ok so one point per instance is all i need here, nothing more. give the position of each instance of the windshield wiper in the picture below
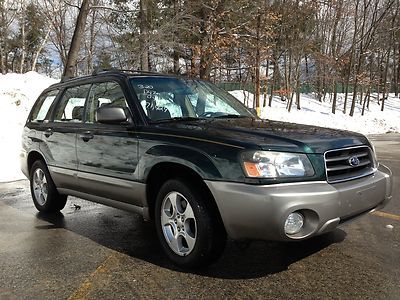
(230, 116)
(177, 119)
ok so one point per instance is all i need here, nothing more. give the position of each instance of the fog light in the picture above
(294, 223)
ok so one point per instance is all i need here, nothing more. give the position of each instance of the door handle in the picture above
(48, 132)
(86, 136)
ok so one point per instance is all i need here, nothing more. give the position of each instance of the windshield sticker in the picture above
(146, 86)
(150, 94)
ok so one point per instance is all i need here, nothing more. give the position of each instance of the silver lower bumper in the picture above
(259, 212)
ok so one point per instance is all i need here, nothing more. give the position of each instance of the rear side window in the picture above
(42, 106)
(71, 106)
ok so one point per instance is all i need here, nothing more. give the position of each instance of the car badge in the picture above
(354, 161)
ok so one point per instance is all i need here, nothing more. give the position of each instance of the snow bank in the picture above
(313, 112)
(18, 92)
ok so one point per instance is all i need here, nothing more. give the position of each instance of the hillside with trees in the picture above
(270, 48)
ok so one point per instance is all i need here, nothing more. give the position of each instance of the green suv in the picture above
(189, 156)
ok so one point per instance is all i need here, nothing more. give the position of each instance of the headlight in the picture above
(268, 164)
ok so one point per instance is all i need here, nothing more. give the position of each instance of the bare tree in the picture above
(8, 14)
(72, 58)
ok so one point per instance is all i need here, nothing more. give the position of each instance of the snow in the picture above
(18, 92)
(317, 113)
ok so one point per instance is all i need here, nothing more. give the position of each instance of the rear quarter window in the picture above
(42, 106)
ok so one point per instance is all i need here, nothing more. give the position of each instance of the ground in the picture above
(97, 252)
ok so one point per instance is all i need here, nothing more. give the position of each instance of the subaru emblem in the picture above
(354, 161)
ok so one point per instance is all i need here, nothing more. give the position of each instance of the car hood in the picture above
(266, 134)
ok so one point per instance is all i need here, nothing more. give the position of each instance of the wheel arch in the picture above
(164, 171)
(32, 157)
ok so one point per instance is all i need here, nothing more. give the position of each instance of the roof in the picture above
(106, 72)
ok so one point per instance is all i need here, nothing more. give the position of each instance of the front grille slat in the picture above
(349, 163)
(339, 168)
(346, 157)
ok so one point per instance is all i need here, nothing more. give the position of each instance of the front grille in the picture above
(349, 163)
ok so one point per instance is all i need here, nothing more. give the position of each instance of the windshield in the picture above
(166, 98)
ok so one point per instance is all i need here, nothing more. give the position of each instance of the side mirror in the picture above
(111, 115)
(253, 111)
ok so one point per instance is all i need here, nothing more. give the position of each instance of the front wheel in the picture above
(189, 230)
(43, 190)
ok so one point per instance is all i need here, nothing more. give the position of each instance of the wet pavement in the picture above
(90, 251)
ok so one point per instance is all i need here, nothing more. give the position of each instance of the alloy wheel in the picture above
(178, 223)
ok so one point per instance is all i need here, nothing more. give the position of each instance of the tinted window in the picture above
(104, 94)
(42, 106)
(71, 106)
(166, 98)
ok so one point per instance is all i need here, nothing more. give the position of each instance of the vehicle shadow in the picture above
(262, 258)
(130, 235)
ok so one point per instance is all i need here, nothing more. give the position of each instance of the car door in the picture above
(32, 137)
(59, 136)
(108, 154)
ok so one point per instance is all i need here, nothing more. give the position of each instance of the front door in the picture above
(107, 154)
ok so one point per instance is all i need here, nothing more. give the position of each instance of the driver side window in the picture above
(104, 94)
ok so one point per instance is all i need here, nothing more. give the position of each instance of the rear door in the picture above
(59, 136)
(32, 136)
(107, 154)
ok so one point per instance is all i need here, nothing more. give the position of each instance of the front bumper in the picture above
(259, 212)
(23, 157)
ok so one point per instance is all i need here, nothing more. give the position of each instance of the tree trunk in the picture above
(358, 66)
(385, 92)
(2, 41)
(396, 71)
(23, 40)
(298, 84)
(39, 50)
(274, 80)
(205, 67)
(176, 62)
(70, 67)
(266, 85)
(89, 63)
(334, 101)
(353, 45)
(397, 80)
(144, 35)
(192, 63)
(367, 95)
(2, 59)
(257, 67)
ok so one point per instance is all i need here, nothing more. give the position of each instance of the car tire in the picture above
(188, 227)
(43, 190)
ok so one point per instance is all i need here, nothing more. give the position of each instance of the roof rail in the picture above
(101, 70)
(65, 78)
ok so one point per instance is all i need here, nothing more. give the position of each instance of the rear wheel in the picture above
(189, 230)
(44, 192)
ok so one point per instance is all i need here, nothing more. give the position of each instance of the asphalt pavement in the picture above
(90, 251)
